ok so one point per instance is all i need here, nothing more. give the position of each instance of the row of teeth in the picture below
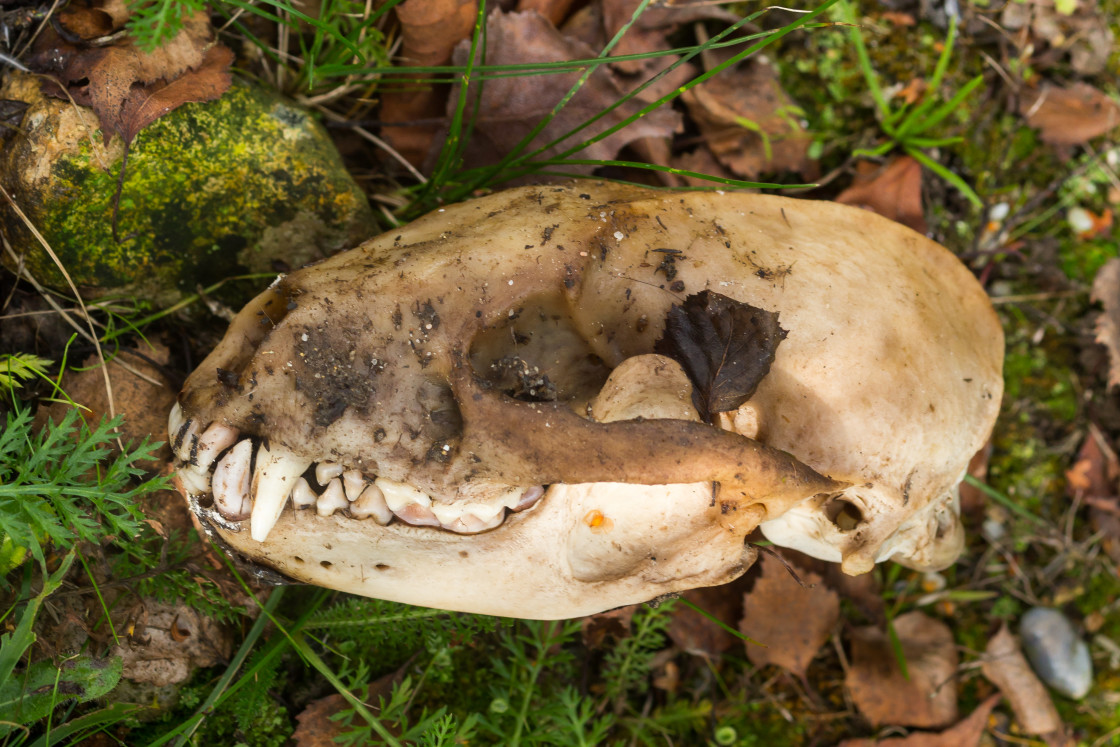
(258, 489)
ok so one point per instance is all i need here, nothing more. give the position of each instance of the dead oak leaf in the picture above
(1069, 116)
(749, 122)
(791, 621)
(893, 190)
(880, 690)
(965, 733)
(508, 109)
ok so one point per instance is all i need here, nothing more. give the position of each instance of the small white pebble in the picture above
(303, 337)
(999, 211)
(619, 236)
(511, 282)
(1080, 220)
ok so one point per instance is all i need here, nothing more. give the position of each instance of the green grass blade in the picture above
(948, 176)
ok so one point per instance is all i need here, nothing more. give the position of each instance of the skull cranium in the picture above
(471, 405)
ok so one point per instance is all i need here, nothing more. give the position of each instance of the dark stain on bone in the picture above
(331, 375)
(228, 379)
(426, 314)
(382, 567)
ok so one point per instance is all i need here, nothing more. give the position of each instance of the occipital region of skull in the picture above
(472, 406)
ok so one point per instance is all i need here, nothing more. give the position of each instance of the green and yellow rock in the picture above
(247, 183)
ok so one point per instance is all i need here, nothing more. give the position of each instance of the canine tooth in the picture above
(273, 480)
(327, 471)
(303, 495)
(354, 482)
(529, 498)
(400, 494)
(215, 439)
(417, 515)
(371, 503)
(231, 482)
(333, 499)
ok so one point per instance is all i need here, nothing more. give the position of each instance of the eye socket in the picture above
(844, 514)
(537, 354)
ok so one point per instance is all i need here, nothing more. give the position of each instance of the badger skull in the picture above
(472, 407)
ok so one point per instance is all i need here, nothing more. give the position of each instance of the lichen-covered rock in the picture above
(247, 183)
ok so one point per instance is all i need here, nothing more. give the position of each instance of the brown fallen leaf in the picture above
(928, 699)
(966, 733)
(554, 10)
(791, 621)
(749, 122)
(695, 633)
(509, 108)
(106, 77)
(146, 104)
(1069, 116)
(893, 190)
(1092, 479)
(316, 727)
(1006, 667)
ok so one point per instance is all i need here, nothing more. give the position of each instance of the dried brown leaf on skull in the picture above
(1072, 115)
(1006, 667)
(106, 78)
(509, 108)
(965, 733)
(725, 346)
(893, 190)
(749, 122)
(790, 618)
(884, 694)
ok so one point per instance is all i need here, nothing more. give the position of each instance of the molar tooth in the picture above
(327, 471)
(303, 495)
(333, 499)
(400, 494)
(529, 498)
(354, 482)
(468, 523)
(273, 480)
(215, 439)
(231, 482)
(417, 515)
(371, 503)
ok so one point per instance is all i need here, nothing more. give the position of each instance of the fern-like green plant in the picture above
(17, 368)
(58, 485)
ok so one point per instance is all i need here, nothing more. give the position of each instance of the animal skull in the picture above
(471, 404)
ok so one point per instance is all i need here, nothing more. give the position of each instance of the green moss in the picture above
(248, 183)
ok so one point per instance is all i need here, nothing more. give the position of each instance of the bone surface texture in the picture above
(474, 398)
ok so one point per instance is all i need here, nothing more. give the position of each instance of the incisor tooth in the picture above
(175, 421)
(371, 503)
(187, 444)
(302, 494)
(273, 480)
(333, 499)
(215, 439)
(231, 482)
(327, 471)
(195, 482)
(354, 482)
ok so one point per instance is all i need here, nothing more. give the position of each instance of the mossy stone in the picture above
(247, 183)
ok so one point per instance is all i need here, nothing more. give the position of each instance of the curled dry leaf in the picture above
(509, 108)
(884, 695)
(1073, 115)
(965, 733)
(791, 619)
(1006, 667)
(893, 190)
(749, 122)
(1093, 478)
